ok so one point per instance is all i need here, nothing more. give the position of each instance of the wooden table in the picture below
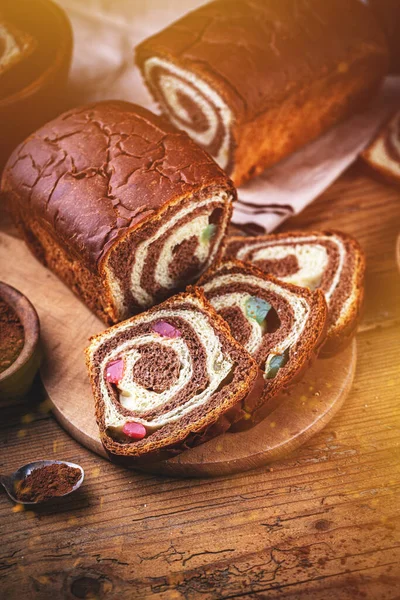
(322, 524)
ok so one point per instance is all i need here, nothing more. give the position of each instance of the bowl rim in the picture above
(63, 49)
(30, 321)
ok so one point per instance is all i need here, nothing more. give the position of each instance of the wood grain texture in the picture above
(323, 523)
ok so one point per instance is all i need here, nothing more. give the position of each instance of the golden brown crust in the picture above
(212, 423)
(302, 118)
(88, 286)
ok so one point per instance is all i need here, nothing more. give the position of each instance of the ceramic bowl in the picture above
(16, 381)
(36, 92)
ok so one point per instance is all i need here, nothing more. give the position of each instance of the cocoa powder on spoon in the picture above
(47, 482)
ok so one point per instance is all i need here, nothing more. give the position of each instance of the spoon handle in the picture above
(5, 481)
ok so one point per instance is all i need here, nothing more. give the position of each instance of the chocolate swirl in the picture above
(233, 288)
(169, 253)
(384, 152)
(192, 105)
(151, 396)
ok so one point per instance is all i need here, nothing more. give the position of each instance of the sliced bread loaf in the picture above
(168, 379)
(383, 154)
(279, 324)
(329, 260)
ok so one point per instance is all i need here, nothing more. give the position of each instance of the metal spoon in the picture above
(9, 482)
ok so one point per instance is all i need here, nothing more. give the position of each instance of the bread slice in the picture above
(183, 380)
(279, 324)
(15, 46)
(383, 154)
(330, 260)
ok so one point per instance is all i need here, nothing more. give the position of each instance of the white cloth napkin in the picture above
(106, 32)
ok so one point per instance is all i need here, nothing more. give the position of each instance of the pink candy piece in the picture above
(136, 431)
(166, 330)
(115, 371)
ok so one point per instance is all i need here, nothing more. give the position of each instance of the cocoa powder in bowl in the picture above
(47, 482)
(12, 336)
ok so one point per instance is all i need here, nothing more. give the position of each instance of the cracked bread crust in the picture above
(286, 71)
(240, 399)
(87, 180)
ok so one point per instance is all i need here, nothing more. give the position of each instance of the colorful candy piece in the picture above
(257, 309)
(208, 232)
(276, 363)
(166, 330)
(135, 431)
(115, 371)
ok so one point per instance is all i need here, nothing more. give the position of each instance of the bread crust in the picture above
(215, 422)
(283, 88)
(75, 192)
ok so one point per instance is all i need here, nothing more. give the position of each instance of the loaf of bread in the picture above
(329, 260)
(253, 80)
(168, 379)
(383, 154)
(281, 325)
(121, 205)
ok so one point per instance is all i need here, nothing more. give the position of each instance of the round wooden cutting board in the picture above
(66, 325)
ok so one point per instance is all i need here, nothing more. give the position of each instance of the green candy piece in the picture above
(257, 309)
(276, 363)
(208, 232)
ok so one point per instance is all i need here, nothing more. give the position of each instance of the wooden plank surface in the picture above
(323, 523)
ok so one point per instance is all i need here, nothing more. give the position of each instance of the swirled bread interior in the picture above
(330, 261)
(181, 387)
(384, 152)
(280, 324)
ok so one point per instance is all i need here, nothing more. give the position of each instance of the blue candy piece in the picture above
(257, 309)
(276, 363)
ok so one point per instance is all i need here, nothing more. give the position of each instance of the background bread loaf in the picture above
(253, 80)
